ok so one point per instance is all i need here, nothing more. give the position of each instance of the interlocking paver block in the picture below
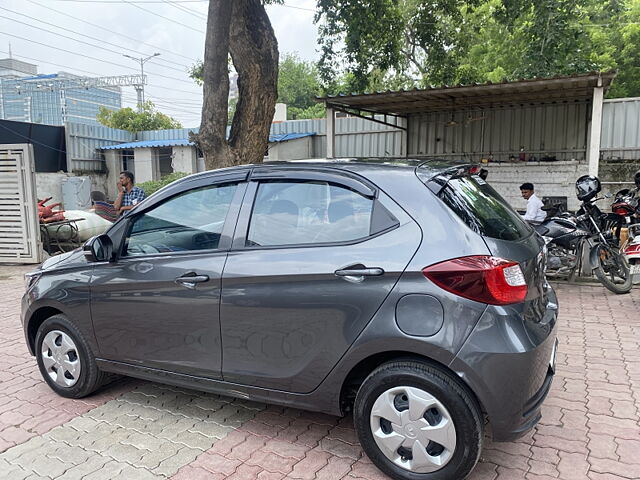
(172, 464)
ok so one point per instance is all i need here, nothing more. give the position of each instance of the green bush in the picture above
(153, 186)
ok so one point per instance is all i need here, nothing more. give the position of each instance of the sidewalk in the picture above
(137, 430)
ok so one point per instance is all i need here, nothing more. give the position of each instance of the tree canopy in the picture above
(377, 44)
(148, 118)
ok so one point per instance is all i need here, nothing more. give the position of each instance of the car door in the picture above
(314, 257)
(157, 305)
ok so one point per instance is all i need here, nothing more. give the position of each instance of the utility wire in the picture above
(94, 73)
(111, 31)
(133, 1)
(151, 2)
(162, 16)
(128, 67)
(182, 70)
(186, 10)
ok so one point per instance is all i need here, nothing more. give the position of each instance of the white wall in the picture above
(50, 184)
(143, 165)
(185, 159)
(550, 179)
(298, 149)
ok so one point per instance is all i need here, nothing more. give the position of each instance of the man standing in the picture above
(534, 214)
(128, 194)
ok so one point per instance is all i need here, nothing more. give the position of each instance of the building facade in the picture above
(26, 96)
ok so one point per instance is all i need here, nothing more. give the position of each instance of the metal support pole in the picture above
(595, 130)
(140, 88)
(331, 132)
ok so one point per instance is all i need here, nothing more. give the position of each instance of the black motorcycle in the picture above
(586, 242)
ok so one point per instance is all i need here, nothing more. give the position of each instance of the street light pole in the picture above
(140, 88)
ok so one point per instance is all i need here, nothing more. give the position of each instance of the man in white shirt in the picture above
(534, 214)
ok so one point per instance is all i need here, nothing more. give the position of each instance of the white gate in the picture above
(19, 227)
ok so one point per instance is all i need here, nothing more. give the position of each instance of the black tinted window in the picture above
(483, 209)
(192, 220)
(293, 213)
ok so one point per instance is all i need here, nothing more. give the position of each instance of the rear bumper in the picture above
(509, 363)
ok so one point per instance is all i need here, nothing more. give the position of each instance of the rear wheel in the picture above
(415, 422)
(612, 269)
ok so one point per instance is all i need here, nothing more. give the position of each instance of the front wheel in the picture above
(415, 422)
(65, 359)
(612, 269)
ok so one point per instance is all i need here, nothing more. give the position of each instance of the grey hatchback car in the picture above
(407, 294)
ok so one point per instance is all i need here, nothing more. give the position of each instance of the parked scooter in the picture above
(586, 242)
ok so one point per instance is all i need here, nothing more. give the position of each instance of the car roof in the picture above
(430, 167)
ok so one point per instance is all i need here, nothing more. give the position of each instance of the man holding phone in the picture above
(128, 194)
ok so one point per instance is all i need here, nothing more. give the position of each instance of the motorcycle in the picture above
(627, 206)
(586, 242)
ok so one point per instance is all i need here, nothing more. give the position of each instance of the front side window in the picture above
(192, 220)
(295, 213)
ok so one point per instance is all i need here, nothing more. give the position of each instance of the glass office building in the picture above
(44, 101)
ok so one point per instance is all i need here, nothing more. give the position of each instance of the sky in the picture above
(90, 37)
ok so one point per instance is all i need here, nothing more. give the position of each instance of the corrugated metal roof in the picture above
(285, 137)
(181, 142)
(148, 143)
(530, 91)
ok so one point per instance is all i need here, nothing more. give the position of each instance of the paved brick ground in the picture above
(138, 430)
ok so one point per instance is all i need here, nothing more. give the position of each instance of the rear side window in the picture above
(312, 212)
(483, 209)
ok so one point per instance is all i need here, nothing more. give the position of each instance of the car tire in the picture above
(65, 359)
(425, 404)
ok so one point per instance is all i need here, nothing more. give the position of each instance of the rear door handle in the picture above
(190, 279)
(360, 272)
(357, 275)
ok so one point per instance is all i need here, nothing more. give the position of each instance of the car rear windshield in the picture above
(483, 209)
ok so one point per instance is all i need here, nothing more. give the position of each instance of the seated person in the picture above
(534, 213)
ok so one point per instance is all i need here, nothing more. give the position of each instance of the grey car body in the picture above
(277, 324)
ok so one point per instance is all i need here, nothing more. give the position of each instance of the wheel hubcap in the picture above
(413, 429)
(60, 358)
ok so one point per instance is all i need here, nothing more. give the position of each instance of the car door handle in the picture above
(360, 272)
(189, 280)
(357, 275)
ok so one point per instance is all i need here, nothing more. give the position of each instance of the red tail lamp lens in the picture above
(481, 278)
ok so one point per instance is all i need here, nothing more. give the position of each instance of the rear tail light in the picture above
(621, 210)
(632, 249)
(481, 278)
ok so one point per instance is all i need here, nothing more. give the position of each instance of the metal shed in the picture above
(557, 118)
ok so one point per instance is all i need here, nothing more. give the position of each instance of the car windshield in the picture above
(483, 209)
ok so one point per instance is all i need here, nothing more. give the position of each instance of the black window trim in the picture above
(242, 229)
(342, 178)
(226, 237)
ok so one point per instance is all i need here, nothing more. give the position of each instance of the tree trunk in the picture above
(213, 127)
(254, 52)
(241, 28)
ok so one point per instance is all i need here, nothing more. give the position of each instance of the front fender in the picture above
(594, 257)
(65, 291)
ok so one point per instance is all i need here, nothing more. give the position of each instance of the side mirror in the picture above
(608, 195)
(98, 249)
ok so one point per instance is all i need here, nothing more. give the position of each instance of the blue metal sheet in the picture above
(148, 143)
(282, 137)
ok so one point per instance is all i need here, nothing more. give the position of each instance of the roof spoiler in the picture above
(436, 181)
